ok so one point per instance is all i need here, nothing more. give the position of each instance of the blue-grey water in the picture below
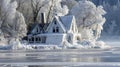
(61, 58)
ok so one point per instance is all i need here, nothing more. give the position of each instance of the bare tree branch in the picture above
(36, 7)
(50, 10)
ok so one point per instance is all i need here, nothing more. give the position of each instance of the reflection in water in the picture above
(60, 56)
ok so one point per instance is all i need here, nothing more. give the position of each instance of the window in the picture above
(32, 39)
(55, 22)
(43, 39)
(37, 30)
(78, 38)
(36, 39)
(69, 39)
(39, 39)
(55, 29)
(29, 39)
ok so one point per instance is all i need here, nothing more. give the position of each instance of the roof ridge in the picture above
(61, 20)
(66, 19)
(61, 23)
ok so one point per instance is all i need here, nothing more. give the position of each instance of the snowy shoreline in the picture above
(50, 47)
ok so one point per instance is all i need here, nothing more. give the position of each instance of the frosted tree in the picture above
(69, 3)
(112, 15)
(32, 9)
(56, 9)
(112, 26)
(50, 7)
(36, 6)
(13, 24)
(89, 18)
(59, 9)
(20, 3)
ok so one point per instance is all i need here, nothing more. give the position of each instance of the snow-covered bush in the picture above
(69, 3)
(32, 9)
(17, 45)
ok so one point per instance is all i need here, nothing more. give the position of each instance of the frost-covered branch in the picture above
(90, 17)
(12, 20)
(36, 6)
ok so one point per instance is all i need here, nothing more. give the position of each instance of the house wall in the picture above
(69, 38)
(73, 37)
(37, 39)
(54, 25)
(55, 39)
(76, 37)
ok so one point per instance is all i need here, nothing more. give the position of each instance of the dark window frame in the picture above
(55, 22)
(57, 29)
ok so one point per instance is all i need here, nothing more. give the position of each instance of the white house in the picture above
(62, 29)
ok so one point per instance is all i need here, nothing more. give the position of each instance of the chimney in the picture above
(43, 19)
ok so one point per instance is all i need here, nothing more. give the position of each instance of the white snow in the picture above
(13, 23)
(89, 18)
(67, 21)
(16, 45)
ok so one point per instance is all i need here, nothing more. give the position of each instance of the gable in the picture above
(56, 26)
(66, 21)
(38, 28)
(69, 23)
(74, 27)
(35, 30)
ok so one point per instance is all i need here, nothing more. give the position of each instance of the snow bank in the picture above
(15, 44)
(102, 44)
(87, 44)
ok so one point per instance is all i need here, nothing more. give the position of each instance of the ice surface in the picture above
(61, 58)
(83, 57)
(113, 41)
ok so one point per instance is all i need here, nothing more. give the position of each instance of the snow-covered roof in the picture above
(64, 21)
(67, 21)
(41, 26)
(59, 21)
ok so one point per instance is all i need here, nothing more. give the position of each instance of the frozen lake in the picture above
(61, 58)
